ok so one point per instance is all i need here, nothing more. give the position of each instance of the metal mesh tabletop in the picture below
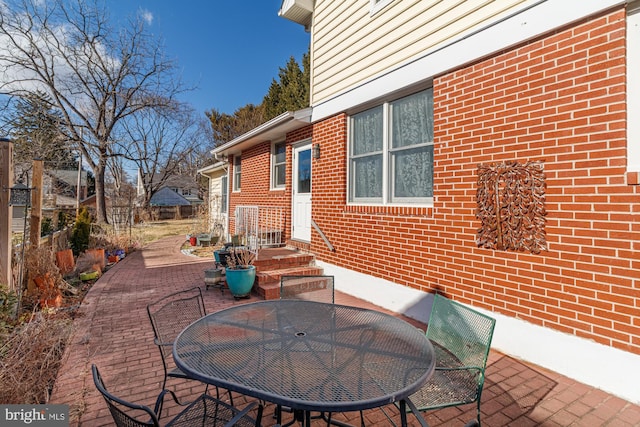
(307, 355)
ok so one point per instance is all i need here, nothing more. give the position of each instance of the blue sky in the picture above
(230, 49)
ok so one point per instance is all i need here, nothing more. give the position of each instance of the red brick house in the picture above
(413, 105)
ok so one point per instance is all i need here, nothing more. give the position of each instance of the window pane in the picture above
(280, 175)
(367, 177)
(412, 120)
(413, 172)
(237, 172)
(279, 162)
(304, 171)
(367, 128)
(223, 198)
(280, 152)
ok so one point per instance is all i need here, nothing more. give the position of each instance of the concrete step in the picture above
(268, 282)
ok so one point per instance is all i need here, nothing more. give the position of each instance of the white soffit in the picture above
(299, 11)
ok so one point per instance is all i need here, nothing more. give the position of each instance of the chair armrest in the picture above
(416, 413)
(241, 414)
(459, 368)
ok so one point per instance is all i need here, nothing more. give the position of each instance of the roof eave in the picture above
(298, 11)
(211, 168)
(275, 128)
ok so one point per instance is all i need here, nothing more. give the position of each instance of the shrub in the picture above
(46, 227)
(30, 358)
(8, 307)
(63, 220)
(81, 232)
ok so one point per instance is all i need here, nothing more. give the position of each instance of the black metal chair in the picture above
(169, 316)
(313, 288)
(205, 411)
(461, 338)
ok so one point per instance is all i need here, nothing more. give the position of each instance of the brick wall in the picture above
(559, 99)
(255, 184)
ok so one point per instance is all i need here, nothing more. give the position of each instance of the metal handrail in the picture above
(324, 237)
(261, 226)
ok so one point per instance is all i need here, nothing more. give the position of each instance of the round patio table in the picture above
(308, 356)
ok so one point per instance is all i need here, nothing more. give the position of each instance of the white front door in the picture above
(301, 217)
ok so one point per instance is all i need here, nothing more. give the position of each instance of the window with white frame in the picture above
(278, 165)
(391, 152)
(224, 188)
(237, 172)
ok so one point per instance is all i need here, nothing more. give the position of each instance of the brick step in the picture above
(278, 262)
(268, 282)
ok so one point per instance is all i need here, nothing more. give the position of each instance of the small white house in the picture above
(217, 174)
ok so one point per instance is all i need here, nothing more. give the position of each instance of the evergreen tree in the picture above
(36, 130)
(291, 91)
(226, 127)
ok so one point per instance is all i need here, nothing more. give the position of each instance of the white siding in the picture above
(351, 46)
(401, 60)
(216, 215)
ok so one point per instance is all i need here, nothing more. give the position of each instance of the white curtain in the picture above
(412, 146)
(367, 153)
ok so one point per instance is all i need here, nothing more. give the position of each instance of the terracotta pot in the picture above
(51, 297)
(98, 257)
(65, 261)
(44, 282)
(51, 302)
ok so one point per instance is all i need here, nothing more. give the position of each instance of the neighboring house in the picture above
(19, 213)
(90, 203)
(168, 197)
(62, 182)
(416, 107)
(183, 186)
(218, 185)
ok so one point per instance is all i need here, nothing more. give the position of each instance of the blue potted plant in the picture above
(240, 272)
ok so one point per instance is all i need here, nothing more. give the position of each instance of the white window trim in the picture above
(272, 167)
(224, 191)
(377, 5)
(237, 159)
(386, 166)
(633, 87)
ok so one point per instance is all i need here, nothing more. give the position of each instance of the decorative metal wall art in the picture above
(511, 206)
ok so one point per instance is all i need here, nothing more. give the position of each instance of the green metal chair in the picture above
(461, 338)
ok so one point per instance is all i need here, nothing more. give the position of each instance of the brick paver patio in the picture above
(112, 330)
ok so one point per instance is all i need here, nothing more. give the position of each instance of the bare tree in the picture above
(160, 142)
(95, 76)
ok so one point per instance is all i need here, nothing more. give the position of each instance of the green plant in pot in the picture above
(240, 272)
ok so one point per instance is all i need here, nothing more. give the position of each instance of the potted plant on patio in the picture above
(240, 272)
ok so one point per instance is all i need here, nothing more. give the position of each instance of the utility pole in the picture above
(6, 211)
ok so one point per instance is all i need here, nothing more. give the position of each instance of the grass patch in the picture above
(156, 230)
